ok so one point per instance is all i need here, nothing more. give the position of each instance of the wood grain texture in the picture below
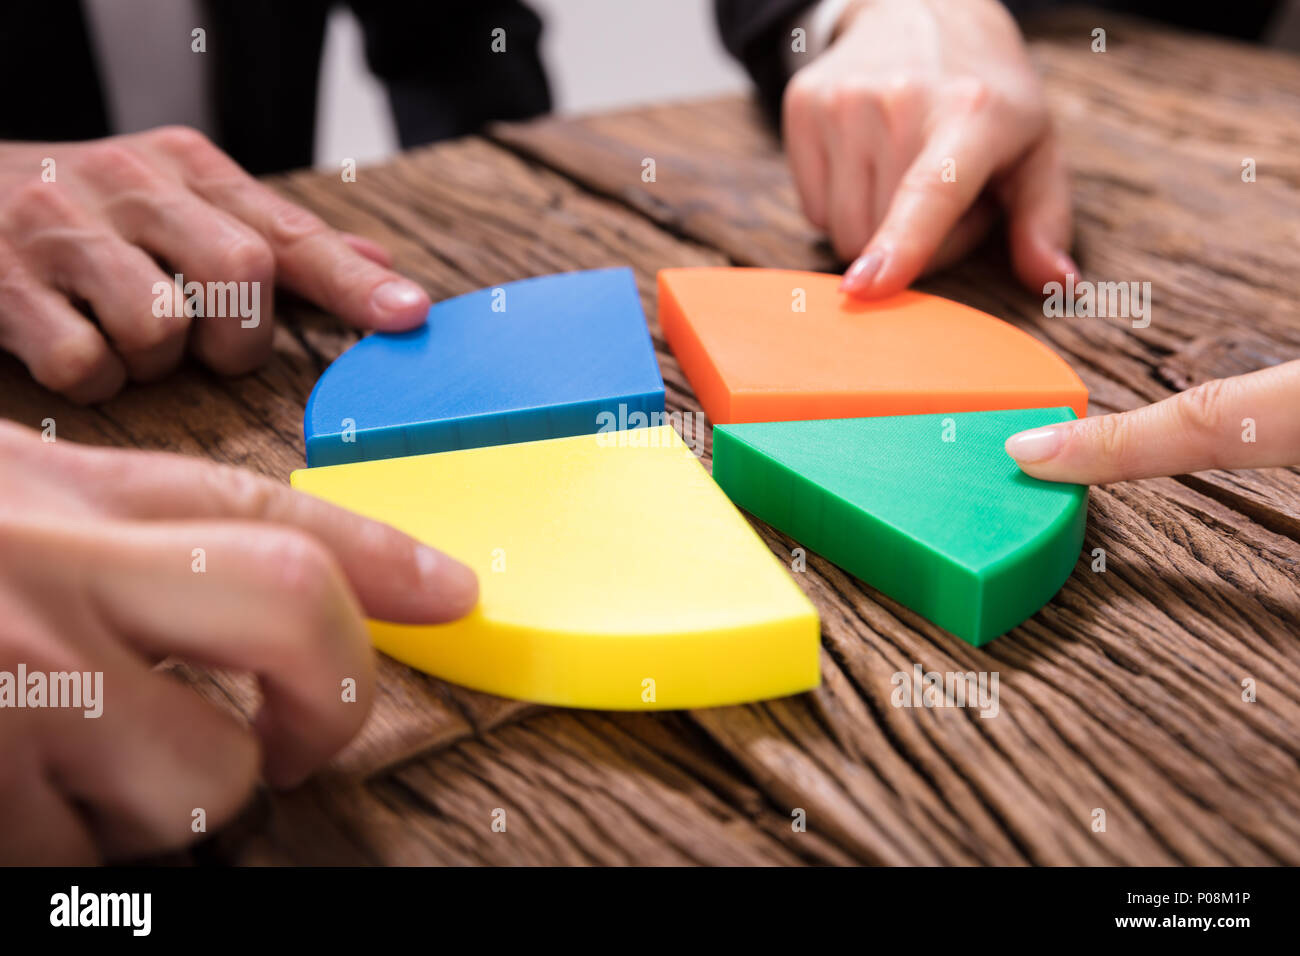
(1124, 694)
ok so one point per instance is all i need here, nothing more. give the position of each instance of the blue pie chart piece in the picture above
(548, 357)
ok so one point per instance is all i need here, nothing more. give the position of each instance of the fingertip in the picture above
(1038, 261)
(450, 587)
(396, 306)
(862, 273)
(1036, 445)
(1058, 453)
(876, 274)
(1065, 265)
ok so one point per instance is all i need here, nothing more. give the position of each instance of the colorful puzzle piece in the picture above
(613, 573)
(928, 509)
(540, 358)
(773, 345)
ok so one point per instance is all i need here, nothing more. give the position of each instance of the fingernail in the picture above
(446, 576)
(1035, 445)
(860, 274)
(1067, 266)
(398, 295)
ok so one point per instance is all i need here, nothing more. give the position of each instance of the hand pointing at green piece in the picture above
(1249, 421)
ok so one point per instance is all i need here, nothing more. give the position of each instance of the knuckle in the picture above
(970, 94)
(1202, 409)
(900, 91)
(240, 492)
(180, 139)
(847, 103)
(290, 223)
(306, 576)
(148, 203)
(36, 204)
(114, 163)
(248, 259)
(15, 283)
(1110, 436)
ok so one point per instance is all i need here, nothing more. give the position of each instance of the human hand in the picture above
(1249, 421)
(112, 560)
(909, 132)
(116, 207)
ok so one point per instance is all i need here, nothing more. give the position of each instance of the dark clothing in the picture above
(49, 74)
(434, 56)
(757, 33)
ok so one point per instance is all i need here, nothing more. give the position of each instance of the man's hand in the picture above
(1250, 421)
(905, 137)
(113, 560)
(90, 243)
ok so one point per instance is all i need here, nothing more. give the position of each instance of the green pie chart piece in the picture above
(928, 509)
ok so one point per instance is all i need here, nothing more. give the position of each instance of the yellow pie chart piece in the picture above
(613, 573)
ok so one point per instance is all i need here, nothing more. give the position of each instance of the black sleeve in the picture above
(754, 32)
(49, 74)
(265, 64)
(443, 77)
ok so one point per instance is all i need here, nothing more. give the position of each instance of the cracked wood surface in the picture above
(1123, 694)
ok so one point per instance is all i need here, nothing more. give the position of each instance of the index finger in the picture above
(1244, 422)
(395, 577)
(312, 259)
(936, 191)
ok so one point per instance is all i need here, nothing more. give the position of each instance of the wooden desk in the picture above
(1124, 694)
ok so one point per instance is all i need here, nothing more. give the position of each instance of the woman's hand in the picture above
(1250, 421)
(906, 137)
(85, 226)
(113, 560)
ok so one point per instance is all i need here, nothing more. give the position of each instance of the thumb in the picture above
(1249, 421)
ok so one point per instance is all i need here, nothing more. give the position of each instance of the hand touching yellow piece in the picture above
(111, 561)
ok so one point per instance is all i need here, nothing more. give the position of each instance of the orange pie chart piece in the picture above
(761, 345)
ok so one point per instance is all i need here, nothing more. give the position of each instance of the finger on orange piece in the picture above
(932, 196)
